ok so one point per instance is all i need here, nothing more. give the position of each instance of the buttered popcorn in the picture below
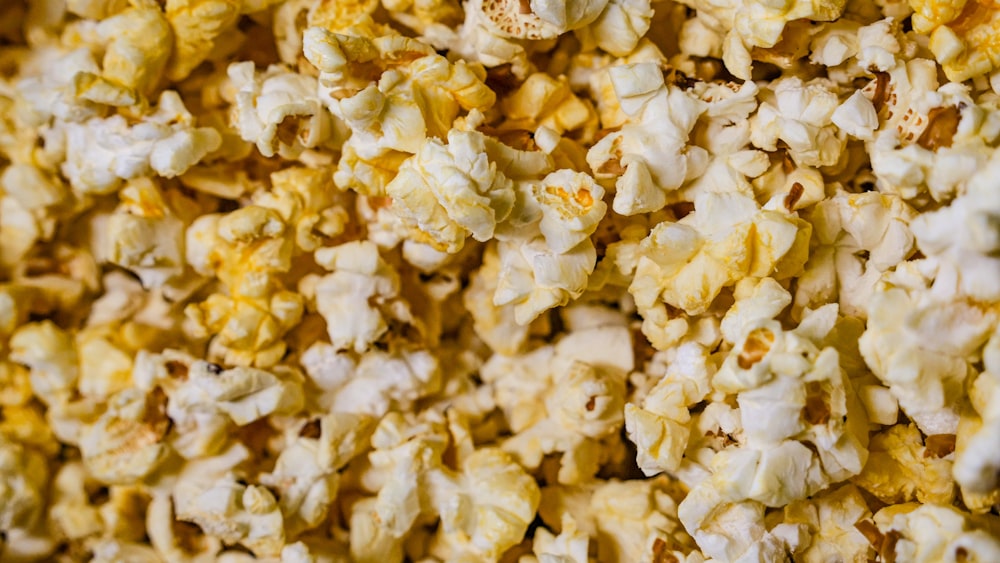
(536, 281)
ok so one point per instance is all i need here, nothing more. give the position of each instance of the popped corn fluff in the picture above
(519, 281)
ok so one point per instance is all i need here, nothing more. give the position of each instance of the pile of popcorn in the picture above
(534, 281)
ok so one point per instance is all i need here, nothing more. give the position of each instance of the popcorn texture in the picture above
(545, 281)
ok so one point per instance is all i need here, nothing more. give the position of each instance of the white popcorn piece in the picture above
(534, 278)
(101, 152)
(661, 426)
(859, 236)
(962, 238)
(486, 507)
(751, 24)
(569, 546)
(571, 205)
(146, 235)
(650, 155)
(50, 354)
(629, 519)
(538, 20)
(975, 462)
(620, 27)
(800, 116)
(278, 110)
(933, 139)
(305, 485)
(832, 523)
(920, 349)
(415, 94)
(349, 298)
(496, 326)
(233, 512)
(856, 116)
(790, 393)
(934, 532)
(385, 381)
(244, 394)
(564, 398)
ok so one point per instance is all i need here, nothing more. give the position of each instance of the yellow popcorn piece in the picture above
(139, 43)
(126, 443)
(449, 192)
(196, 24)
(903, 467)
(686, 264)
(963, 35)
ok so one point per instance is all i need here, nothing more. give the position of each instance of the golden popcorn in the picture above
(546, 281)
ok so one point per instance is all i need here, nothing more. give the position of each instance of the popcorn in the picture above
(569, 546)
(303, 198)
(661, 426)
(544, 101)
(787, 376)
(966, 247)
(962, 36)
(448, 192)
(834, 524)
(278, 110)
(360, 278)
(858, 238)
(497, 326)
(750, 24)
(648, 160)
(933, 532)
(974, 468)
(246, 250)
(138, 43)
(101, 152)
(479, 515)
(235, 513)
(324, 281)
(415, 94)
(928, 145)
(243, 394)
(585, 402)
(905, 347)
(23, 476)
(801, 116)
(49, 353)
(146, 235)
(540, 20)
(903, 467)
(686, 264)
(620, 26)
(534, 278)
(196, 25)
(126, 443)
